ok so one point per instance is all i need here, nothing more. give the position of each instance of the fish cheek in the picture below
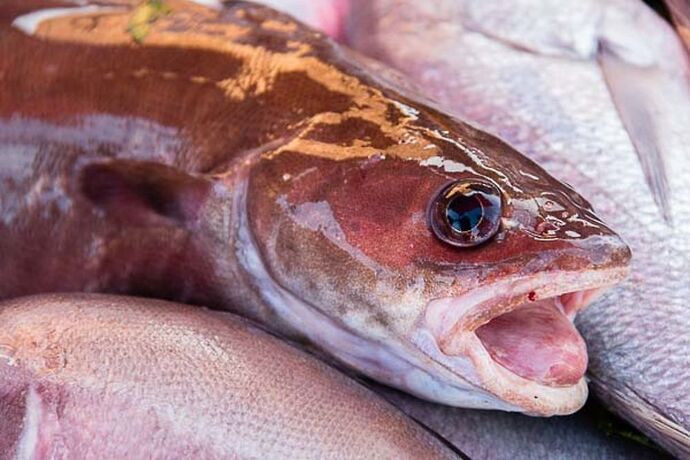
(357, 219)
(316, 268)
(302, 241)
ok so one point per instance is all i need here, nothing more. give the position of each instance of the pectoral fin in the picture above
(144, 192)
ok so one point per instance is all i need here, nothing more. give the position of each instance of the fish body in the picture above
(596, 92)
(180, 381)
(231, 157)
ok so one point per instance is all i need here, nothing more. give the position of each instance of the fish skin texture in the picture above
(96, 376)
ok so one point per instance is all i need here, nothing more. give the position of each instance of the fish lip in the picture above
(453, 321)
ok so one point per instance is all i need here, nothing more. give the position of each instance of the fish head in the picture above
(448, 263)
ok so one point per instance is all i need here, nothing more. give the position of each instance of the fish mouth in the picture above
(516, 339)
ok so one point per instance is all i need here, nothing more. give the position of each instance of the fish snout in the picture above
(513, 335)
(606, 254)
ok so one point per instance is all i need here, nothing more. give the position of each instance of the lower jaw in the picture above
(532, 357)
(485, 384)
(533, 397)
(535, 355)
(524, 349)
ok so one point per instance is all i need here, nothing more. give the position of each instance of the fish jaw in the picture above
(492, 337)
(440, 357)
(445, 359)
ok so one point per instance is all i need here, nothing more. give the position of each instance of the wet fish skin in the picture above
(97, 376)
(233, 158)
(597, 92)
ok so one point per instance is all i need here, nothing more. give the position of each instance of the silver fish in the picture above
(95, 376)
(597, 92)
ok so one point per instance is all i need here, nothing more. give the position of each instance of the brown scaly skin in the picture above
(156, 168)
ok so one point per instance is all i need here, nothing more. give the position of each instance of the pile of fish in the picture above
(226, 156)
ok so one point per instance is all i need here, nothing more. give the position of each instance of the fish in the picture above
(597, 93)
(103, 376)
(231, 157)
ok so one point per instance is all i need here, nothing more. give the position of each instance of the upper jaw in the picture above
(453, 323)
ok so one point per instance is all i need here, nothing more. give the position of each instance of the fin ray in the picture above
(631, 89)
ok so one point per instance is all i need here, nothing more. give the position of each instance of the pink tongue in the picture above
(537, 342)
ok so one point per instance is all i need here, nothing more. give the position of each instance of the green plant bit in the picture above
(146, 14)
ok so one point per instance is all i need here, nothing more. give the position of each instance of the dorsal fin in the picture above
(629, 85)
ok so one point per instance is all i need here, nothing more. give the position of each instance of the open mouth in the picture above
(538, 341)
(519, 338)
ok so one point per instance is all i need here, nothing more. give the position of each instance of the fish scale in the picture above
(141, 378)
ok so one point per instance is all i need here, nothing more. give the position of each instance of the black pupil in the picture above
(464, 212)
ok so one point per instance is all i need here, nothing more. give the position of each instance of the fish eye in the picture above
(466, 213)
